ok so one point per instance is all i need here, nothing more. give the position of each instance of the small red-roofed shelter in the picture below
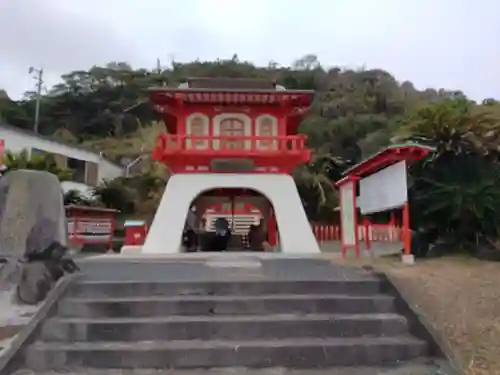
(383, 174)
(89, 225)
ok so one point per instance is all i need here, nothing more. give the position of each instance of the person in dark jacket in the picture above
(257, 237)
(221, 236)
(189, 240)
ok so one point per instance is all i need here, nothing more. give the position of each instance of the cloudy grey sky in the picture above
(451, 44)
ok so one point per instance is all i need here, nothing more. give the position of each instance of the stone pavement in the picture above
(204, 268)
(378, 248)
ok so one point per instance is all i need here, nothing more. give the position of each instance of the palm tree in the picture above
(453, 125)
(315, 184)
(457, 188)
(75, 197)
(113, 194)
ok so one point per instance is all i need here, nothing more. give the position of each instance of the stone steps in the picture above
(409, 368)
(230, 305)
(239, 323)
(296, 353)
(223, 327)
(97, 289)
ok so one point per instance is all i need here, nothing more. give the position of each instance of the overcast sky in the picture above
(452, 44)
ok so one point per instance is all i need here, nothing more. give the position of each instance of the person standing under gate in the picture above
(258, 237)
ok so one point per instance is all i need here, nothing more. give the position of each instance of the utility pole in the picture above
(158, 66)
(39, 83)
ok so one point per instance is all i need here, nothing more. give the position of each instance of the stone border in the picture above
(13, 357)
(201, 256)
(420, 325)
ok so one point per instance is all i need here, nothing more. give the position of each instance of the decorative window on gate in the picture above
(198, 126)
(232, 127)
(266, 127)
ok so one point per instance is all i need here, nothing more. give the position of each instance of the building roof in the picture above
(207, 90)
(388, 156)
(244, 90)
(76, 207)
(30, 133)
(230, 83)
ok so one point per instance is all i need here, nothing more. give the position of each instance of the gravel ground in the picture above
(461, 297)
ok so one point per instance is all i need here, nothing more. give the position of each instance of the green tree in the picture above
(75, 197)
(315, 186)
(46, 162)
(113, 194)
(457, 188)
(355, 112)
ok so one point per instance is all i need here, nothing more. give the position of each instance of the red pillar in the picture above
(406, 228)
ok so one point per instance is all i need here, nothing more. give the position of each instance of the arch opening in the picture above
(247, 214)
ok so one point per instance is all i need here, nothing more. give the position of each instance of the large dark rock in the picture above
(40, 271)
(33, 232)
(32, 213)
(35, 282)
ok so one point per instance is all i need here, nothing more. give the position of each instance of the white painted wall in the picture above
(17, 141)
(108, 170)
(296, 236)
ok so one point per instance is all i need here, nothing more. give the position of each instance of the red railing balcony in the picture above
(235, 146)
(195, 150)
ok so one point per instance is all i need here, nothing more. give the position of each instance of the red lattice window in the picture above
(232, 127)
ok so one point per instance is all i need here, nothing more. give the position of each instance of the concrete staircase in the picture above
(184, 325)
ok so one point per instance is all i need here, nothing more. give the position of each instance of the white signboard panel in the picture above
(348, 220)
(384, 190)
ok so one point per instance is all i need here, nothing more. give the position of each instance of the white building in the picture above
(89, 168)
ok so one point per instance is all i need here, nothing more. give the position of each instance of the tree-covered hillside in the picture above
(354, 114)
(351, 108)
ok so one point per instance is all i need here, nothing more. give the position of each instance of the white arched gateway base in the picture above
(296, 236)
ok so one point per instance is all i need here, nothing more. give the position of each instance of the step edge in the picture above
(228, 298)
(209, 344)
(230, 318)
(226, 282)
